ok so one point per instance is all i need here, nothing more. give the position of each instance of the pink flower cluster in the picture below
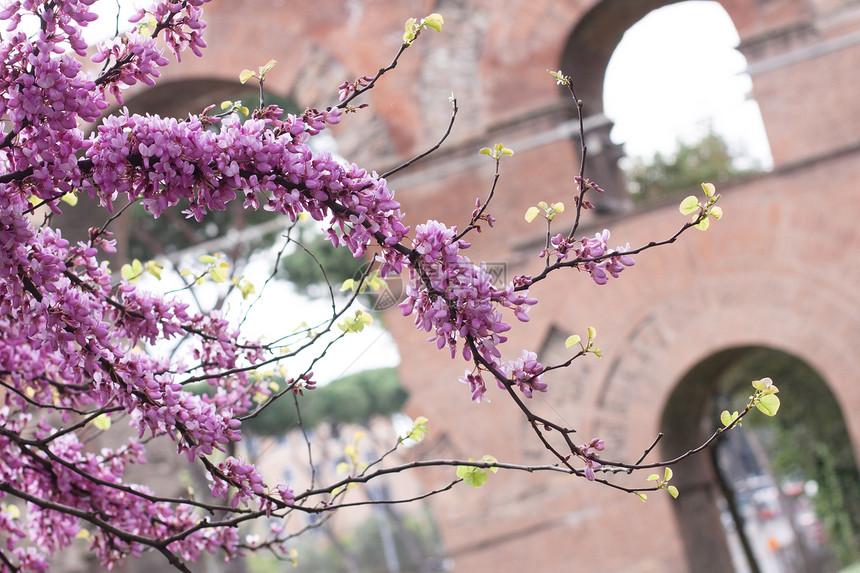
(458, 302)
(591, 249)
(69, 475)
(590, 454)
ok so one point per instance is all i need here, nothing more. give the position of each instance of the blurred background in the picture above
(759, 97)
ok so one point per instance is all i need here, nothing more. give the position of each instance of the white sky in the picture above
(675, 72)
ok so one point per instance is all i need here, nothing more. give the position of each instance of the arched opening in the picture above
(779, 494)
(663, 77)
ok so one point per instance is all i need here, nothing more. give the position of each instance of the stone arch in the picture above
(586, 56)
(686, 421)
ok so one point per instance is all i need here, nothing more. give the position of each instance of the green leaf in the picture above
(434, 21)
(154, 268)
(219, 273)
(653, 477)
(592, 333)
(673, 491)
(531, 213)
(102, 422)
(703, 224)
(641, 495)
(725, 418)
(689, 205)
(763, 385)
(571, 340)
(268, 66)
(709, 189)
(667, 475)
(768, 404)
(70, 198)
(475, 477)
(207, 259)
(246, 75)
(133, 271)
(485, 151)
(246, 288)
(410, 32)
(716, 213)
(419, 429)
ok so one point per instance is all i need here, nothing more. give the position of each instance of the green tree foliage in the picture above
(708, 159)
(353, 399)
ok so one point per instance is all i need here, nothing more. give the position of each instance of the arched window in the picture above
(655, 72)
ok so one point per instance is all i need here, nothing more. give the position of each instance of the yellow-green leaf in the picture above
(102, 422)
(419, 429)
(246, 75)
(434, 21)
(475, 477)
(571, 340)
(709, 189)
(268, 66)
(531, 213)
(246, 288)
(131, 272)
(673, 491)
(70, 198)
(154, 268)
(641, 495)
(717, 213)
(689, 205)
(768, 404)
(409, 31)
(763, 385)
(219, 273)
(12, 511)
